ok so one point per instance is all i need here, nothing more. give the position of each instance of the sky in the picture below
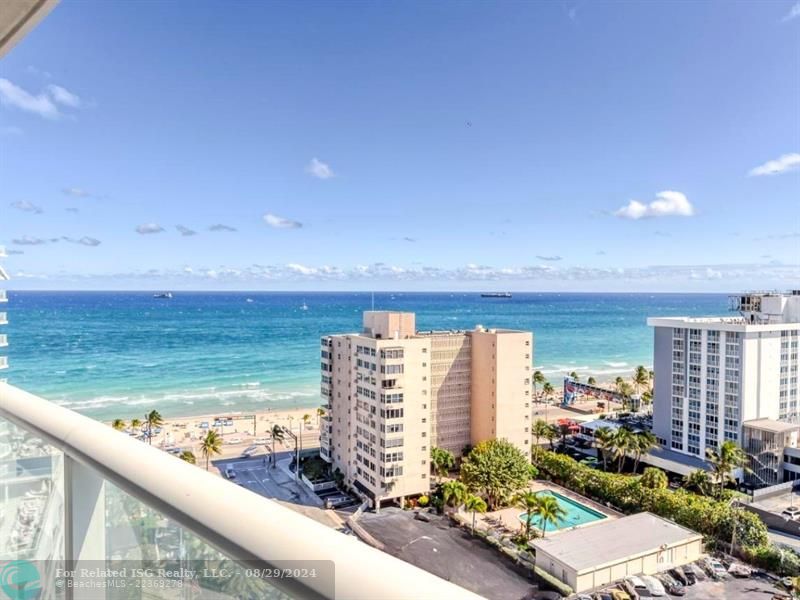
(539, 146)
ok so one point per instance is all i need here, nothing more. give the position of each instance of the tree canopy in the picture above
(497, 470)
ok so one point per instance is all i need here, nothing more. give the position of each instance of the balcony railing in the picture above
(3, 296)
(3, 340)
(78, 487)
(3, 362)
(3, 319)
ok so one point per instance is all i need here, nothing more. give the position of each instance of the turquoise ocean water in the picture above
(119, 354)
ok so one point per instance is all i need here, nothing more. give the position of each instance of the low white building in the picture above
(641, 544)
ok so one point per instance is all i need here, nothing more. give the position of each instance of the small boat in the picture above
(304, 307)
(249, 300)
(165, 295)
(496, 295)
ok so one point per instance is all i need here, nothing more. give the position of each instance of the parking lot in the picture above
(258, 476)
(753, 588)
(448, 552)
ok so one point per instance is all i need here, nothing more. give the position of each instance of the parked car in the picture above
(740, 570)
(672, 585)
(679, 575)
(688, 572)
(715, 569)
(620, 595)
(699, 574)
(603, 596)
(583, 597)
(791, 512)
(639, 587)
(230, 473)
(654, 586)
(233, 440)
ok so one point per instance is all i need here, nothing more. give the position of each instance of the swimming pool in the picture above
(577, 513)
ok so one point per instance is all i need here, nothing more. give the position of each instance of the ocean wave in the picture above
(617, 365)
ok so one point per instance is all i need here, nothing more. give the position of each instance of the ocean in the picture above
(120, 354)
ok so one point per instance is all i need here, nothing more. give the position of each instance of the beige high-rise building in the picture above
(392, 393)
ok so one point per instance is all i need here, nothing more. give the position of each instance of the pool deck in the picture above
(508, 518)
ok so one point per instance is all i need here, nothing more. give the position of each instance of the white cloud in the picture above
(281, 222)
(63, 96)
(185, 231)
(26, 206)
(76, 192)
(301, 269)
(15, 96)
(27, 240)
(149, 228)
(783, 164)
(667, 204)
(221, 227)
(793, 13)
(549, 258)
(319, 169)
(84, 241)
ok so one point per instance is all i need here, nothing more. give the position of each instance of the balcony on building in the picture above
(3, 296)
(3, 318)
(3, 340)
(77, 490)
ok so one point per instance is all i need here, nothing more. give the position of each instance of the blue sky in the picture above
(405, 146)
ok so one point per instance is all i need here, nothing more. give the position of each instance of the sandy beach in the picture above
(238, 433)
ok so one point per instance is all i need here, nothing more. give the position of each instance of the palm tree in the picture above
(591, 381)
(475, 504)
(135, 424)
(604, 442)
(547, 390)
(276, 434)
(153, 419)
(529, 502)
(118, 424)
(320, 414)
(454, 493)
(540, 428)
(306, 419)
(574, 376)
(442, 461)
(618, 383)
(188, 456)
(538, 379)
(640, 378)
(699, 481)
(549, 511)
(724, 461)
(551, 434)
(622, 443)
(210, 445)
(642, 443)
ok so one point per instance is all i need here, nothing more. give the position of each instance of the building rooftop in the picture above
(675, 462)
(771, 425)
(613, 540)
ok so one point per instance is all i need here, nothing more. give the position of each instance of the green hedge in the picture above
(705, 515)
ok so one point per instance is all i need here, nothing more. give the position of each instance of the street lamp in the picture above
(296, 453)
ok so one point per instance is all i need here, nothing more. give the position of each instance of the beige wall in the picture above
(501, 372)
(382, 324)
(446, 401)
(451, 372)
(648, 564)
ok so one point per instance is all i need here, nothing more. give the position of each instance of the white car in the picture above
(654, 586)
(234, 440)
(638, 586)
(792, 513)
(716, 568)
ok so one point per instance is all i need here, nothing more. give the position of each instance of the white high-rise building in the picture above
(714, 374)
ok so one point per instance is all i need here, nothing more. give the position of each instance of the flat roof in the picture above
(675, 462)
(771, 425)
(598, 423)
(613, 540)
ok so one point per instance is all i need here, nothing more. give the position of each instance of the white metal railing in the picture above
(3, 362)
(3, 340)
(239, 523)
(3, 319)
(3, 296)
